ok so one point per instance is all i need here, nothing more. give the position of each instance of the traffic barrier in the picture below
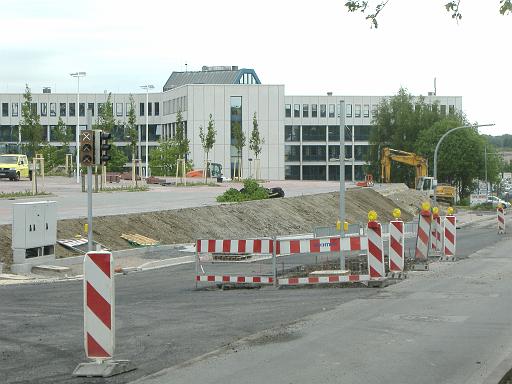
(501, 220)
(376, 265)
(235, 246)
(99, 318)
(396, 246)
(450, 236)
(333, 279)
(437, 229)
(320, 245)
(423, 238)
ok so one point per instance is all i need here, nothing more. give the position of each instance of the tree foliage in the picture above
(30, 126)
(106, 121)
(131, 128)
(372, 9)
(117, 159)
(181, 140)
(256, 141)
(207, 140)
(163, 158)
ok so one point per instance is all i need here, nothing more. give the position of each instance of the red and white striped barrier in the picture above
(320, 245)
(235, 279)
(264, 246)
(423, 237)
(376, 265)
(436, 232)
(323, 280)
(501, 220)
(99, 325)
(396, 246)
(450, 235)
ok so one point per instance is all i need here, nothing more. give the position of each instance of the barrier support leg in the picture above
(103, 368)
(197, 266)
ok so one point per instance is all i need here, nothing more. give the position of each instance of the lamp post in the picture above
(78, 75)
(439, 143)
(342, 181)
(147, 87)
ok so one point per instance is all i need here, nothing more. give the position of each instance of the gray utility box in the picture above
(34, 234)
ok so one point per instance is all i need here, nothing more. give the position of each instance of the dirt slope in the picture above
(256, 218)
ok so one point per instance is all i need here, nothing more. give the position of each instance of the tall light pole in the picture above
(78, 75)
(439, 143)
(147, 87)
(342, 181)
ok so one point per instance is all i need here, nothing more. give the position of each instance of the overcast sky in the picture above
(311, 47)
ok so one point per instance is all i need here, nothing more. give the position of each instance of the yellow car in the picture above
(13, 166)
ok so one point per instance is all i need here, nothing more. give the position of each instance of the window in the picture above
(236, 124)
(314, 110)
(334, 152)
(434, 108)
(362, 132)
(71, 109)
(141, 109)
(451, 109)
(127, 109)
(374, 111)
(287, 110)
(313, 153)
(360, 152)
(81, 109)
(291, 133)
(292, 153)
(334, 133)
(53, 109)
(62, 110)
(150, 109)
(314, 172)
(334, 172)
(348, 110)
(14, 109)
(100, 108)
(323, 110)
(292, 172)
(91, 107)
(357, 112)
(119, 109)
(332, 110)
(313, 132)
(443, 109)
(33, 108)
(296, 110)
(157, 108)
(366, 110)
(305, 110)
(5, 109)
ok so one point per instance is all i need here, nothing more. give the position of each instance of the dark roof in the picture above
(209, 75)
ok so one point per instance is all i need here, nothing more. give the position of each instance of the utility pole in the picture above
(342, 181)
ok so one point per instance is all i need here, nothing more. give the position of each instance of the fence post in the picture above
(274, 260)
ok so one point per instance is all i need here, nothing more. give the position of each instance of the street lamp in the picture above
(439, 143)
(147, 87)
(78, 75)
(342, 181)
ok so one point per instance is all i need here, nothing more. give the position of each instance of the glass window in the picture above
(157, 108)
(434, 108)
(236, 107)
(366, 110)
(334, 133)
(334, 172)
(292, 133)
(150, 109)
(332, 110)
(62, 109)
(119, 109)
(305, 110)
(313, 153)
(362, 132)
(361, 152)
(141, 109)
(292, 172)
(359, 172)
(313, 132)
(314, 172)
(33, 108)
(14, 109)
(323, 110)
(71, 109)
(292, 153)
(81, 109)
(357, 112)
(374, 111)
(287, 110)
(127, 109)
(314, 110)
(451, 109)
(443, 109)
(53, 109)
(5, 109)
(91, 107)
(296, 110)
(334, 152)
(348, 110)
(100, 108)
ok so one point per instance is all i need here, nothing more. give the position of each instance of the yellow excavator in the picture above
(422, 181)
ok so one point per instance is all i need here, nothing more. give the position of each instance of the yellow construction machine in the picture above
(422, 181)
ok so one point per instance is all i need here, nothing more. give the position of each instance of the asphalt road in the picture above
(162, 321)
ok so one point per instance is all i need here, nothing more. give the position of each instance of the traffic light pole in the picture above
(89, 208)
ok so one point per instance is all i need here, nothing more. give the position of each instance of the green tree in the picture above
(163, 158)
(256, 144)
(182, 142)
(371, 11)
(106, 121)
(117, 159)
(207, 142)
(131, 133)
(30, 126)
(239, 141)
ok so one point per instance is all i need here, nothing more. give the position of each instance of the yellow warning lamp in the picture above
(345, 226)
(449, 211)
(86, 228)
(397, 213)
(435, 210)
(338, 225)
(372, 216)
(425, 206)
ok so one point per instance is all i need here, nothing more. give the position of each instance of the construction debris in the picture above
(139, 240)
(80, 244)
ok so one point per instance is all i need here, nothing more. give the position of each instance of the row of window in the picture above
(297, 133)
(69, 109)
(319, 172)
(324, 153)
(175, 105)
(324, 112)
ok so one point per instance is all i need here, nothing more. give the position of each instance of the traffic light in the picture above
(86, 148)
(102, 147)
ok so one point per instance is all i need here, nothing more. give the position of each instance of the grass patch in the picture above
(125, 188)
(251, 191)
(21, 194)
(197, 184)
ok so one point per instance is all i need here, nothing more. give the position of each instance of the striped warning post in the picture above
(396, 246)
(375, 250)
(501, 220)
(320, 245)
(99, 326)
(423, 237)
(323, 280)
(235, 279)
(264, 246)
(450, 235)
(436, 231)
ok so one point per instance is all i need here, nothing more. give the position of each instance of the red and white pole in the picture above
(423, 237)
(375, 248)
(501, 220)
(450, 236)
(396, 243)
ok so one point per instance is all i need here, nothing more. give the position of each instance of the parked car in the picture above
(495, 201)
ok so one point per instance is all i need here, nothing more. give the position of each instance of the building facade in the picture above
(301, 133)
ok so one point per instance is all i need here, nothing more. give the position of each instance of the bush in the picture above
(251, 191)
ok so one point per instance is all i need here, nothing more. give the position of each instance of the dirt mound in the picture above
(240, 220)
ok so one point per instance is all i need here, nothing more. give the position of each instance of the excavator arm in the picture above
(409, 158)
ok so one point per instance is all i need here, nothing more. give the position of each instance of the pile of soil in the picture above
(293, 215)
